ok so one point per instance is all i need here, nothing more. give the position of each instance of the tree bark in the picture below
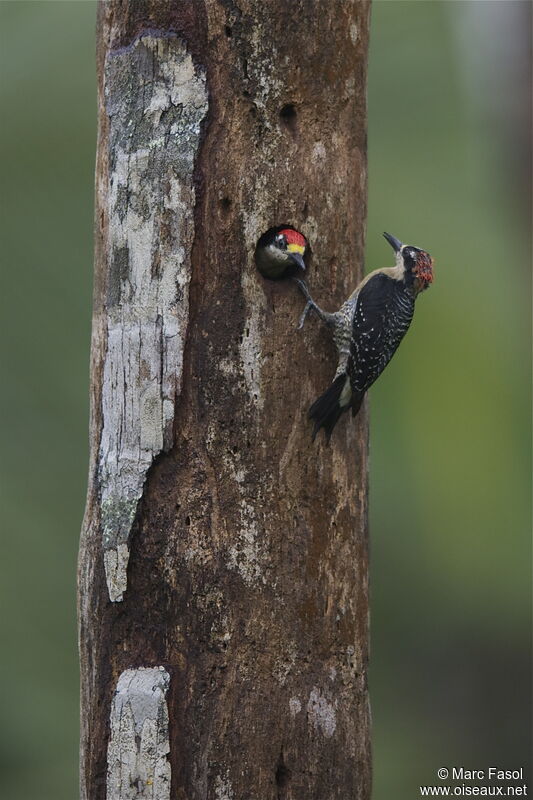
(223, 586)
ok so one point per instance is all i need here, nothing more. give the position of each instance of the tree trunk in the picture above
(223, 584)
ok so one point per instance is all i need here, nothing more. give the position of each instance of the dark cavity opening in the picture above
(288, 117)
(229, 32)
(225, 204)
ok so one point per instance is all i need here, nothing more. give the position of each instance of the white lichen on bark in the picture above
(247, 553)
(295, 706)
(137, 754)
(223, 788)
(321, 713)
(156, 99)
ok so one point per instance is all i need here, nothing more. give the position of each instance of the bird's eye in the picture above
(281, 240)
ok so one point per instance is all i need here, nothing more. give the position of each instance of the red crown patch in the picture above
(294, 237)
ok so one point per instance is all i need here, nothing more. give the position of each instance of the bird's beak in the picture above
(296, 252)
(394, 242)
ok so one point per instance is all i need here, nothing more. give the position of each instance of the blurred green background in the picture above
(450, 439)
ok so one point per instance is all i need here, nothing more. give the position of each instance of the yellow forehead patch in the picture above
(296, 248)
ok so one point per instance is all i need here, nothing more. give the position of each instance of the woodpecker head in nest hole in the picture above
(280, 251)
(415, 264)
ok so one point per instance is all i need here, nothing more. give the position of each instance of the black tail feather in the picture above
(326, 410)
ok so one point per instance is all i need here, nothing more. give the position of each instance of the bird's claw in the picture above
(303, 287)
(305, 312)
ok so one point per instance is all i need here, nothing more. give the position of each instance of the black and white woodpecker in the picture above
(368, 328)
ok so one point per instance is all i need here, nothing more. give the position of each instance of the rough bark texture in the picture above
(223, 560)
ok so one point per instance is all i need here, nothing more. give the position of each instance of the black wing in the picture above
(381, 319)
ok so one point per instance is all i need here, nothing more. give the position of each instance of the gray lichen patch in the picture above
(156, 99)
(223, 788)
(117, 517)
(139, 745)
(321, 713)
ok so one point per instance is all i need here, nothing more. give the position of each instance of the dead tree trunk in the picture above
(223, 562)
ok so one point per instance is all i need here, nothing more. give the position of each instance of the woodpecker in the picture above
(280, 252)
(368, 328)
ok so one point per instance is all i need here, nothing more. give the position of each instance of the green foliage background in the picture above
(450, 440)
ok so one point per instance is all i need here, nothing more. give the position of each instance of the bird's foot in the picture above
(308, 306)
